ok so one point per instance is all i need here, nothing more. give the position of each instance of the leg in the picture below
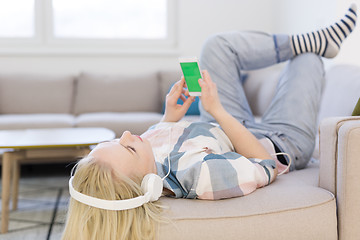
(6, 182)
(294, 109)
(15, 184)
(16, 176)
(226, 56)
(326, 42)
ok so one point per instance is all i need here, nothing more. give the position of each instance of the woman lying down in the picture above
(194, 160)
(227, 154)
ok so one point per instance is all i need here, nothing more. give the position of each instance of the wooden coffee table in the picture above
(22, 145)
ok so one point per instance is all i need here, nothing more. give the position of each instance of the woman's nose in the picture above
(125, 136)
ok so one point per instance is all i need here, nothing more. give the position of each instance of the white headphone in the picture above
(152, 186)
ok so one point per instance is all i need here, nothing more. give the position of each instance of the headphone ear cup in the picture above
(153, 184)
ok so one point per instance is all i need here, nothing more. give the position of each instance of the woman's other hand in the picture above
(209, 95)
(174, 111)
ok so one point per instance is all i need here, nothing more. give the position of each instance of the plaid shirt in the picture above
(203, 162)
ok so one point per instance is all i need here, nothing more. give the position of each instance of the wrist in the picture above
(169, 118)
(165, 119)
(219, 113)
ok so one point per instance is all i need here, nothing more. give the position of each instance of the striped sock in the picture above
(326, 42)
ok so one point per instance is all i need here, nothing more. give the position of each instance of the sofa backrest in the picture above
(36, 93)
(340, 95)
(90, 92)
(342, 91)
(167, 79)
(117, 93)
(259, 86)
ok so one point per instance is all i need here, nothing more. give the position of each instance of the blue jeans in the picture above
(290, 122)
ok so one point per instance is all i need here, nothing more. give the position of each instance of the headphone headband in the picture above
(108, 204)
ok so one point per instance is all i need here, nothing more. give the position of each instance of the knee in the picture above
(214, 40)
(311, 62)
(309, 69)
(212, 45)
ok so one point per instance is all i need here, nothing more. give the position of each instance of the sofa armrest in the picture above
(339, 170)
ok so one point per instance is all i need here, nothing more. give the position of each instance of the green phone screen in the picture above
(192, 75)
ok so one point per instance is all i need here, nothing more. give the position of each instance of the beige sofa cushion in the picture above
(339, 169)
(342, 91)
(167, 78)
(35, 93)
(137, 122)
(117, 93)
(347, 186)
(290, 208)
(259, 87)
(23, 121)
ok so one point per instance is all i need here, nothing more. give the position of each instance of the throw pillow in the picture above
(193, 109)
(356, 111)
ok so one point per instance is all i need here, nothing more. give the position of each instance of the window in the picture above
(80, 25)
(17, 19)
(110, 19)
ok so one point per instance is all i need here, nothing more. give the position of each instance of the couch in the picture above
(117, 102)
(319, 202)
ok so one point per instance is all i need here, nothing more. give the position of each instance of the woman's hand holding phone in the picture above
(209, 95)
(244, 142)
(174, 111)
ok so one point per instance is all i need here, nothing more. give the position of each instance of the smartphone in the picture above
(191, 71)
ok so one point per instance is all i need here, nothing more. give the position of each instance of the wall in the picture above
(350, 50)
(307, 15)
(196, 21)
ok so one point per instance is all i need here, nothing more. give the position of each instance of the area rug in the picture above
(41, 209)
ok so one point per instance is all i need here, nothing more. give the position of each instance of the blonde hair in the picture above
(97, 179)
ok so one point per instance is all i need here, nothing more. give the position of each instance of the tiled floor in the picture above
(42, 206)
